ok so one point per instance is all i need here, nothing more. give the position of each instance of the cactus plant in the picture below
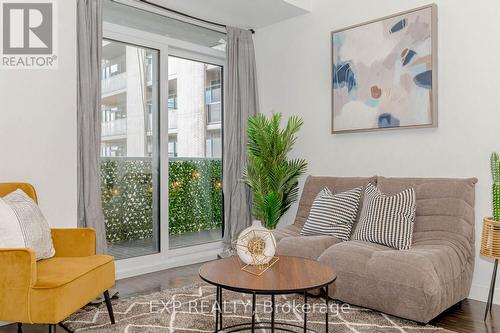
(495, 173)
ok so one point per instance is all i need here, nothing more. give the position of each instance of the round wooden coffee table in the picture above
(289, 275)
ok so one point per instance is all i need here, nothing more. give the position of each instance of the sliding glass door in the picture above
(195, 152)
(129, 148)
(161, 146)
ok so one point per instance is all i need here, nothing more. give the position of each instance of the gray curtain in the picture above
(241, 102)
(89, 38)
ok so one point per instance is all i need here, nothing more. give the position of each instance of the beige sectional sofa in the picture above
(417, 284)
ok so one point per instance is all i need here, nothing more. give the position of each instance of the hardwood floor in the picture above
(467, 318)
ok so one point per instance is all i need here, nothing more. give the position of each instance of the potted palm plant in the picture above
(272, 177)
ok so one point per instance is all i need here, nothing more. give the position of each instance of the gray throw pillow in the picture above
(333, 214)
(387, 219)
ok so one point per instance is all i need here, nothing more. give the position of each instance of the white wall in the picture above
(293, 60)
(38, 126)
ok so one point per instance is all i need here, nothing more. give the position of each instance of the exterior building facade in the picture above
(194, 105)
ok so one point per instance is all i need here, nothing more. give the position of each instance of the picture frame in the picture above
(384, 73)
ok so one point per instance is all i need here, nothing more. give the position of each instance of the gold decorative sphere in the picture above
(256, 246)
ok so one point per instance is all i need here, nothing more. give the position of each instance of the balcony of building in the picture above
(173, 115)
(114, 128)
(114, 84)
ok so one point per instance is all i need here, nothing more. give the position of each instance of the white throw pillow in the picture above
(22, 225)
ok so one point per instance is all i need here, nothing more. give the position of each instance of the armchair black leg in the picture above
(109, 306)
(19, 328)
(52, 328)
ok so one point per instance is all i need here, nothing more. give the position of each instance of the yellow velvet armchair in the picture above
(48, 291)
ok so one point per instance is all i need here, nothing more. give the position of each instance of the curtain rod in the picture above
(187, 15)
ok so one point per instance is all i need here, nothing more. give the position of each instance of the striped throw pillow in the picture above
(333, 214)
(387, 219)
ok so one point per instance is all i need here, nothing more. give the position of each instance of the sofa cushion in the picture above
(351, 256)
(333, 214)
(53, 298)
(57, 271)
(305, 246)
(387, 219)
(315, 184)
(417, 284)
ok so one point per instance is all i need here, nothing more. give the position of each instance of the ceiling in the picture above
(240, 13)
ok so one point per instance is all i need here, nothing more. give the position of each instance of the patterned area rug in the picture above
(190, 309)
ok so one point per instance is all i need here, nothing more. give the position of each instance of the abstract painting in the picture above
(384, 73)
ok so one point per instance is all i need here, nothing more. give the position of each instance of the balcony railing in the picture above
(114, 128)
(114, 83)
(172, 118)
(214, 113)
(194, 200)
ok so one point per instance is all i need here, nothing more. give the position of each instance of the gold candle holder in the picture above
(254, 243)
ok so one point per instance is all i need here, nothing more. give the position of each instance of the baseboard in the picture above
(3, 323)
(480, 293)
(181, 260)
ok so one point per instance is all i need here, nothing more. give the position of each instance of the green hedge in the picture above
(195, 197)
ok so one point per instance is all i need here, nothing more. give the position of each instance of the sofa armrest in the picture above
(76, 242)
(17, 277)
